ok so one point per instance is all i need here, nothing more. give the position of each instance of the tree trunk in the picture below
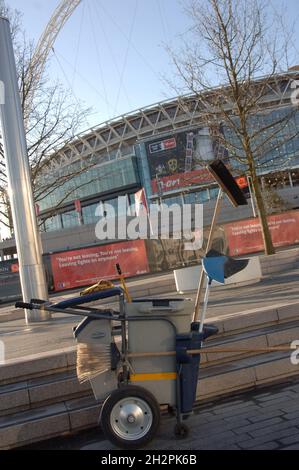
(262, 213)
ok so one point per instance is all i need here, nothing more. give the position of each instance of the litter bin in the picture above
(167, 318)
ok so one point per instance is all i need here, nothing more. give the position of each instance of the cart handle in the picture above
(83, 299)
(28, 306)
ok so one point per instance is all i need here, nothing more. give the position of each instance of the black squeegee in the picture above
(227, 182)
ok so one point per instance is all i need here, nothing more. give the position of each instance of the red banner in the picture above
(180, 180)
(140, 202)
(89, 265)
(77, 205)
(245, 236)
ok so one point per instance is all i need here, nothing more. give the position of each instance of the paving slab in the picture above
(275, 432)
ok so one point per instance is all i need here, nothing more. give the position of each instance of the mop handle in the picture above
(210, 350)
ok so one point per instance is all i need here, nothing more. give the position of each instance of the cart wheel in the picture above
(130, 417)
(181, 431)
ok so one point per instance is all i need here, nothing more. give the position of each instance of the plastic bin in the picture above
(172, 317)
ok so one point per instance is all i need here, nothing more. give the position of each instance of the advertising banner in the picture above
(89, 265)
(10, 286)
(181, 180)
(245, 236)
(178, 160)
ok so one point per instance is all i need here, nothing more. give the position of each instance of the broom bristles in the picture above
(92, 359)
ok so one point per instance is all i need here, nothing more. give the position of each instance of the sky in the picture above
(111, 54)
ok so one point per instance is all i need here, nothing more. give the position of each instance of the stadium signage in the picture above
(179, 159)
(163, 145)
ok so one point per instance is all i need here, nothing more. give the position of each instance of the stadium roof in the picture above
(164, 116)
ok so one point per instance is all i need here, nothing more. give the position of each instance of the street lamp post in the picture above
(27, 237)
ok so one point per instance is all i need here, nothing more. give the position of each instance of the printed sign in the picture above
(89, 265)
(245, 236)
(10, 286)
(176, 160)
(162, 145)
(180, 180)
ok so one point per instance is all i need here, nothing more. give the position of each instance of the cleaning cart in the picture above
(142, 354)
(142, 351)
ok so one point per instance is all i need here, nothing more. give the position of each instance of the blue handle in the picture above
(83, 299)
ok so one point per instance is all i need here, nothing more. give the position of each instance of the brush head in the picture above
(92, 359)
(227, 182)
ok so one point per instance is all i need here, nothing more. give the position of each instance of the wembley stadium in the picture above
(155, 149)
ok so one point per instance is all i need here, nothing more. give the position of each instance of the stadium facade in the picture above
(156, 148)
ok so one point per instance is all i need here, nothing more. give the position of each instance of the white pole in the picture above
(27, 237)
(205, 304)
(251, 195)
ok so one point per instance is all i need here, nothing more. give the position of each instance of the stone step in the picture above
(275, 335)
(245, 373)
(38, 365)
(41, 391)
(42, 423)
(51, 379)
(25, 427)
(255, 319)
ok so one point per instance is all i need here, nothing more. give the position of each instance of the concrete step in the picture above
(58, 386)
(257, 318)
(275, 335)
(245, 373)
(42, 423)
(38, 365)
(41, 391)
(67, 416)
(40, 396)
(283, 261)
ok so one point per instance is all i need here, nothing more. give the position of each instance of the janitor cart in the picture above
(145, 361)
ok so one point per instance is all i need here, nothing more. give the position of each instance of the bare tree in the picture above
(53, 118)
(234, 42)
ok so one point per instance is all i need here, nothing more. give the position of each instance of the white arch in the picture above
(60, 16)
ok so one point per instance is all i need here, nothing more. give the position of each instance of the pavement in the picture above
(267, 419)
(22, 340)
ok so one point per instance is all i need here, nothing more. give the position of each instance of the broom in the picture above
(92, 359)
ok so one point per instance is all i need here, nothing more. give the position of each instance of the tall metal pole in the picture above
(27, 237)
